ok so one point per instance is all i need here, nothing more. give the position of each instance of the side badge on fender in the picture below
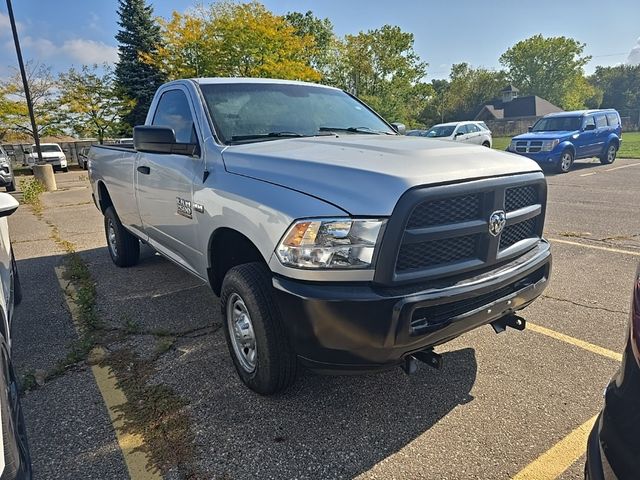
(184, 207)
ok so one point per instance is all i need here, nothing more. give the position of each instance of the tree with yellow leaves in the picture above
(229, 39)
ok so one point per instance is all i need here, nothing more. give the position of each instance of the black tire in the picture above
(65, 169)
(276, 365)
(565, 162)
(609, 155)
(11, 187)
(123, 247)
(17, 286)
(486, 144)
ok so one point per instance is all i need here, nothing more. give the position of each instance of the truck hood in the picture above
(367, 174)
(551, 135)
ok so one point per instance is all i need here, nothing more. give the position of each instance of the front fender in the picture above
(562, 146)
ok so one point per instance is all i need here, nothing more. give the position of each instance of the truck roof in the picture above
(214, 80)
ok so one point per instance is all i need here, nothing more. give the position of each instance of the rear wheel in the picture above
(486, 144)
(565, 162)
(123, 247)
(254, 330)
(609, 155)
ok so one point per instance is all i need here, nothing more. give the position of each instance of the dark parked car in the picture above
(557, 139)
(613, 449)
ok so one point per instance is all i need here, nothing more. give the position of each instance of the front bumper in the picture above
(361, 327)
(5, 177)
(542, 158)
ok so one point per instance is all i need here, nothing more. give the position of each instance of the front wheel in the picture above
(123, 247)
(486, 144)
(254, 330)
(609, 156)
(11, 187)
(65, 169)
(566, 160)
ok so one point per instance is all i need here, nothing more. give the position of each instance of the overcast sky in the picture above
(63, 33)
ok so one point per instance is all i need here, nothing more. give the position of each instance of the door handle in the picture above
(144, 170)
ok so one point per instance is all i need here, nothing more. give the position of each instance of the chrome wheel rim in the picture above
(243, 338)
(111, 238)
(566, 161)
(611, 154)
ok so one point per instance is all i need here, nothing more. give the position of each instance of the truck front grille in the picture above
(436, 252)
(442, 231)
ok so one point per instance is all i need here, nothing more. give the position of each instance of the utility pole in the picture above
(25, 84)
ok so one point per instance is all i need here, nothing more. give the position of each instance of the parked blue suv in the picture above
(557, 139)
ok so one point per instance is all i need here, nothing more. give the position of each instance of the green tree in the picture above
(139, 35)
(230, 39)
(551, 68)
(89, 101)
(13, 107)
(321, 30)
(381, 67)
(620, 87)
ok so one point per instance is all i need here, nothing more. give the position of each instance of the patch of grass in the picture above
(164, 344)
(630, 147)
(28, 381)
(131, 326)
(630, 144)
(31, 191)
(156, 413)
(500, 143)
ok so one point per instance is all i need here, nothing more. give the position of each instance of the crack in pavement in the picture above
(578, 304)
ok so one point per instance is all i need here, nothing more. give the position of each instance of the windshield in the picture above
(557, 124)
(441, 131)
(261, 111)
(47, 148)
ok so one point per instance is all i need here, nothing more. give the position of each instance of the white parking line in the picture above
(623, 166)
(587, 174)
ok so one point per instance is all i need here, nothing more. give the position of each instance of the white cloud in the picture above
(5, 25)
(42, 47)
(634, 54)
(89, 51)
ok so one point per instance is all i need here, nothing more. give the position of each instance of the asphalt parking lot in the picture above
(495, 411)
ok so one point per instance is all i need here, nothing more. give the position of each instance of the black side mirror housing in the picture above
(529, 128)
(589, 127)
(401, 128)
(153, 139)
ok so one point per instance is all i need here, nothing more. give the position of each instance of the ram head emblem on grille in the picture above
(497, 221)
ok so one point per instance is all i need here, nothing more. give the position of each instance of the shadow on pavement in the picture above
(323, 427)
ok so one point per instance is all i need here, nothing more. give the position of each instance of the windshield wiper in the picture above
(354, 130)
(258, 136)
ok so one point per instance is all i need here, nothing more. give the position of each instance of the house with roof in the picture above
(512, 113)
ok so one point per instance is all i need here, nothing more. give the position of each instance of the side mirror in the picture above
(589, 126)
(457, 134)
(529, 128)
(401, 128)
(8, 204)
(152, 139)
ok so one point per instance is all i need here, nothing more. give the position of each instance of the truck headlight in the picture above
(549, 145)
(512, 146)
(337, 243)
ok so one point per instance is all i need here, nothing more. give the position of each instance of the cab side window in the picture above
(612, 119)
(601, 121)
(473, 128)
(173, 111)
(462, 130)
(589, 121)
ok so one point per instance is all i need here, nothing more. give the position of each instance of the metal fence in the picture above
(18, 151)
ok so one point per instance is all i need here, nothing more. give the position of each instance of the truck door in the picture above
(164, 183)
(602, 133)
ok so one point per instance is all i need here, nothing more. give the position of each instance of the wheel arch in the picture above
(104, 199)
(228, 248)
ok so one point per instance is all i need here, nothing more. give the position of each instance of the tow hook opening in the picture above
(431, 358)
(513, 321)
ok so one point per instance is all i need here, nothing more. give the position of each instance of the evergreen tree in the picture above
(136, 80)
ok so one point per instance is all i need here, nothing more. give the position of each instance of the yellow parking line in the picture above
(596, 247)
(135, 460)
(552, 463)
(575, 342)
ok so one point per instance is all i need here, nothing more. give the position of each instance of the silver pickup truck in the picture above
(334, 242)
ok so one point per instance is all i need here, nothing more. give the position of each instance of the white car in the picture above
(467, 132)
(51, 154)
